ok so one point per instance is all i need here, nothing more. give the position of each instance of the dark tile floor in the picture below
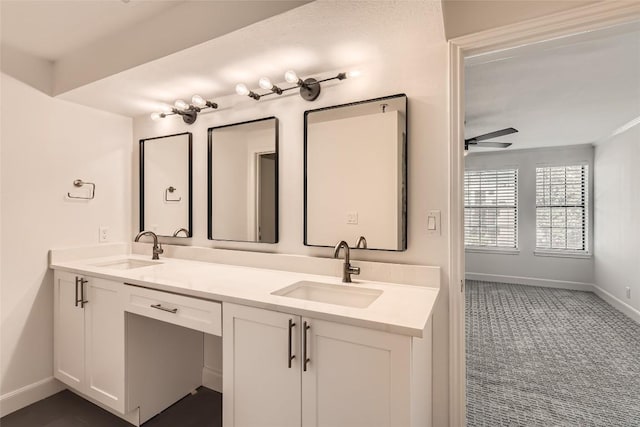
(65, 409)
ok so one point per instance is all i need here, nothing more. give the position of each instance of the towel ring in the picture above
(81, 183)
(168, 190)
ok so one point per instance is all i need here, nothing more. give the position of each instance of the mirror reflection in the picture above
(243, 181)
(165, 185)
(355, 174)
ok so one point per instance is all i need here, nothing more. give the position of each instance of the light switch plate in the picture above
(433, 223)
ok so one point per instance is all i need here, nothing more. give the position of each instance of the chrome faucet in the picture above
(347, 269)
(361, 241)
(157, 247)
(181, 230)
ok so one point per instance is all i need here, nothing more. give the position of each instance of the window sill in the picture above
(497, 251)
(559, 254)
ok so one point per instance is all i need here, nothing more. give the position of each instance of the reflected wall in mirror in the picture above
(243, 181)
(165, 185)
(355, 174)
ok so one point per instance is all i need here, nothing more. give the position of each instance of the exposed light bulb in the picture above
(265, 83)
(241, 89)
(155, 116)
(291, 76)
(198, 101)
(354, 73)
(181, 105)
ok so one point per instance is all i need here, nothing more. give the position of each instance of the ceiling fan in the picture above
(480, 140)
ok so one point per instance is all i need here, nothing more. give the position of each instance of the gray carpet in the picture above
(549, 357)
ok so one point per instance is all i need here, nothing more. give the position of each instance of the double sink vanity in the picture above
(288, 340)
(298, 348)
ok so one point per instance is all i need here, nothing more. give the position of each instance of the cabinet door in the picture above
(104, 323)
(259, 387)
(355, 377)
(68, 331)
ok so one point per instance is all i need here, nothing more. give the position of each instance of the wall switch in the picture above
(352, 217)
(628, 292)
(433, 223)
(103, 234)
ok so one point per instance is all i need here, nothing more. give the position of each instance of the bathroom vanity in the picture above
(297, 348)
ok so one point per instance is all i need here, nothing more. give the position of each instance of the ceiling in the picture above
(319, 38)
(54, 28)
(78, 42)
(574, 90)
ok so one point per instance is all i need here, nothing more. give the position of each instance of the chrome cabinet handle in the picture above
(291, 356)
(305, 358)
(160, 307)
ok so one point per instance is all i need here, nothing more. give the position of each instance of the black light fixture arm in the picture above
(309, 90)
(189, 112)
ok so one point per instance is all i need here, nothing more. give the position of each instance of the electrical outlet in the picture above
(628, 291)
(352, 217)
(103, 234)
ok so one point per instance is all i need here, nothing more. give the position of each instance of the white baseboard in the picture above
(617, 303)
(25, 396)
(532, 281)
(212, 379)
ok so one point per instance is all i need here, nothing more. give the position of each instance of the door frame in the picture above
(588, 18)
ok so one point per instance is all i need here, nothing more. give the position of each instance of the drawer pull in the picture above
(160, 307)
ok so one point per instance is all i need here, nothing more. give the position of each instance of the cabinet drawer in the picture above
(194, 313)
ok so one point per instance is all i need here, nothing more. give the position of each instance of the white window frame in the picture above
(588, 209)
(506, 250)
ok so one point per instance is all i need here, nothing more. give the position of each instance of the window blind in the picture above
(561, 208)
(491, 208)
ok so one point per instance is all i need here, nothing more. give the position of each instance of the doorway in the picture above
(266, 203)
(525, 34)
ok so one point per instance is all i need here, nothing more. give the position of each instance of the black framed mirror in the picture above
(355, 174)
(166, 185)
(243, 181)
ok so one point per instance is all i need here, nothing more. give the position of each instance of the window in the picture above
(491, 209)
(561, 208)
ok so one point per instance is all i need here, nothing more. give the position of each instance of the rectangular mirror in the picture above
(355, 158)
(165, 185)
(243, 181)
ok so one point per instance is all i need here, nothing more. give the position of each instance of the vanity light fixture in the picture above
(266, 84)
(309, 88)
(242, 90)
(189, 112)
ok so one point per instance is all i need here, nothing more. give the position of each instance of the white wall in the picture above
(418, 67)
(470, 16)
(524, 266)
(46, 144)
(617, 213)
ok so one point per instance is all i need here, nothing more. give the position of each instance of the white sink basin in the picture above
(126, 264)
(346, 295)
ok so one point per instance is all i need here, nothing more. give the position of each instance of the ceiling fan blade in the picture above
(492, 144)
(495, 134)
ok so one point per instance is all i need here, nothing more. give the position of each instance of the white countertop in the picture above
(401, 309)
